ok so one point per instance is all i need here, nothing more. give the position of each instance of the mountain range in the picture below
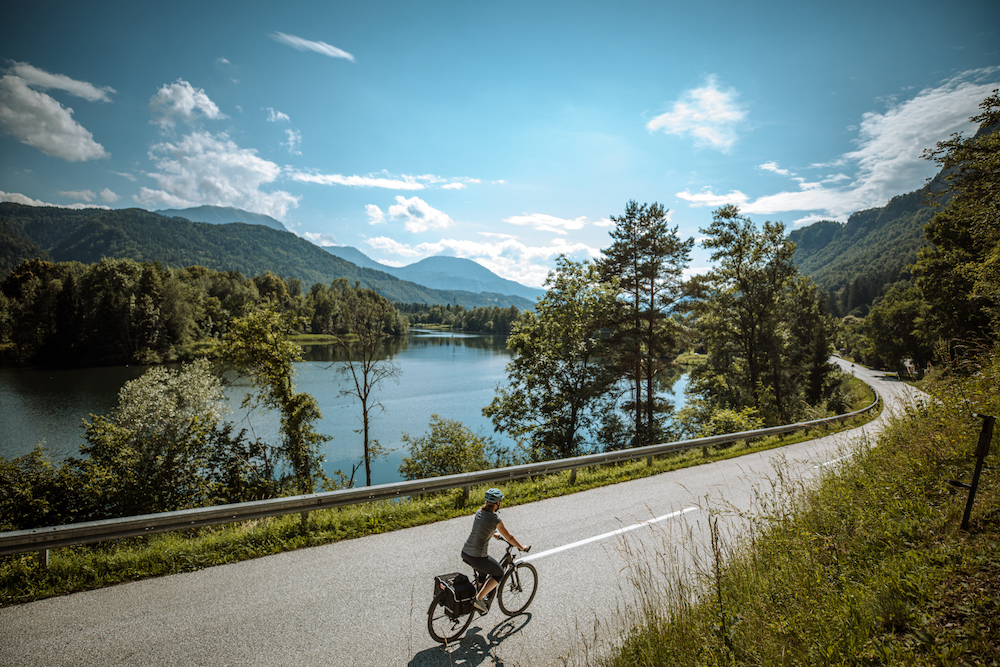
(222, 215)
(854, 262)
(88, 235)
(439, 272)
(445, 273)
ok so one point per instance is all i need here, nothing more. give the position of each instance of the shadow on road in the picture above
(472, 649)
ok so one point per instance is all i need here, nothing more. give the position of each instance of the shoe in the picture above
(479, 605)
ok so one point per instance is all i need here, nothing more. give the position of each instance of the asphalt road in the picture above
(364, 602)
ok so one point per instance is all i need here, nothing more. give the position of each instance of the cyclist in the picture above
(476, 549)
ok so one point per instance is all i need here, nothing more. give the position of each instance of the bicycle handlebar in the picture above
(509, 545)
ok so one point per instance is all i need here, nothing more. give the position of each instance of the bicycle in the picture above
(448, 618)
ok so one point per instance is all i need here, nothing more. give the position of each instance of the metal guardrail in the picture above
(43, 539)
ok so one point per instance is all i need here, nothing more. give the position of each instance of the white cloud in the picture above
(274, 116)
(604, 222)
(294, 141)
(18, 198)
(708, 198)
(548, 223)
(308, 45)
(38, 120)
(211, 169)
(181, 100)
(887, 160)
(322, 240)
(708, 114)
(37, 78)
(453, 186)
(371, 181)
(123, 174)
(375, 214)
(85, 195)
(773, 167)
(508, 258)
(391, 246)
(109, 196)
(418, 215)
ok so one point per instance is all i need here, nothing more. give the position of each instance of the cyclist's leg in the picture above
(486, 565)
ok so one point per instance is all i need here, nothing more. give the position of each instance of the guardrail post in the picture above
(465, 494)
(305, 518)
(982, 450)
(649, 461)
(572, 476)
(43, 557)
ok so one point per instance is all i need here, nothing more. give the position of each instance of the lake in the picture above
(450, 374)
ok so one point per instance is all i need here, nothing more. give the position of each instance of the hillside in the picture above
(222, 215)
(445, 273)
(64, 235)
(856, 261)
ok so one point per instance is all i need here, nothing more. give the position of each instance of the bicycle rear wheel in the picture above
(517, 589)
(443, 627)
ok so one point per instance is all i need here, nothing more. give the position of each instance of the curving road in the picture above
(364, 601)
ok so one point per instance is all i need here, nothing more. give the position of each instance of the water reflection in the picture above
(451, 375)
(396, 345)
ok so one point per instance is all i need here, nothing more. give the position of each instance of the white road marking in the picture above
(605, 536)
(830, 463)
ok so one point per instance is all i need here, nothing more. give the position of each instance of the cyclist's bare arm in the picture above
(508, 537)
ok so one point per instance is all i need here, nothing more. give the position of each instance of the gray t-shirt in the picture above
(482, 530)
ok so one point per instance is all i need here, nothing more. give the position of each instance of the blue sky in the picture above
(507, 133)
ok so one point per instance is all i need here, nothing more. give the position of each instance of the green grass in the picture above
(71, 569)
(869, 567)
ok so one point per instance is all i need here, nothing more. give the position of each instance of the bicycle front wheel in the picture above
(517, 589)
(442, 626)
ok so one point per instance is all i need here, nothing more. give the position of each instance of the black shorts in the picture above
(487, 564)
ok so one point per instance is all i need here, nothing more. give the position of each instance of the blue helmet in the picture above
(494, 496)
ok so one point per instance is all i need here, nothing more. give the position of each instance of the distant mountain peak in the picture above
(222, 215)
(443, 273)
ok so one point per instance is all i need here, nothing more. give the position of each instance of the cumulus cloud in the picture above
(85, 195)
(180, 100)
(109, 196)
(36, 119)
(375, 214)
(371, 181)
(203, 168)
(548, 223)
(18, 198)
(708, 114)
(453, 186)
(38, 78)
(886, 161)
(307, 45)
(418, 215)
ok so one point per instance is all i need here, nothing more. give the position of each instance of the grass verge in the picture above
(868, 567)
(85, 567)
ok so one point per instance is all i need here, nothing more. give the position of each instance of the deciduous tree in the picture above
(562, 365)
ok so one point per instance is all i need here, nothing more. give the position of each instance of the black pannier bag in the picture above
(458, 592)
